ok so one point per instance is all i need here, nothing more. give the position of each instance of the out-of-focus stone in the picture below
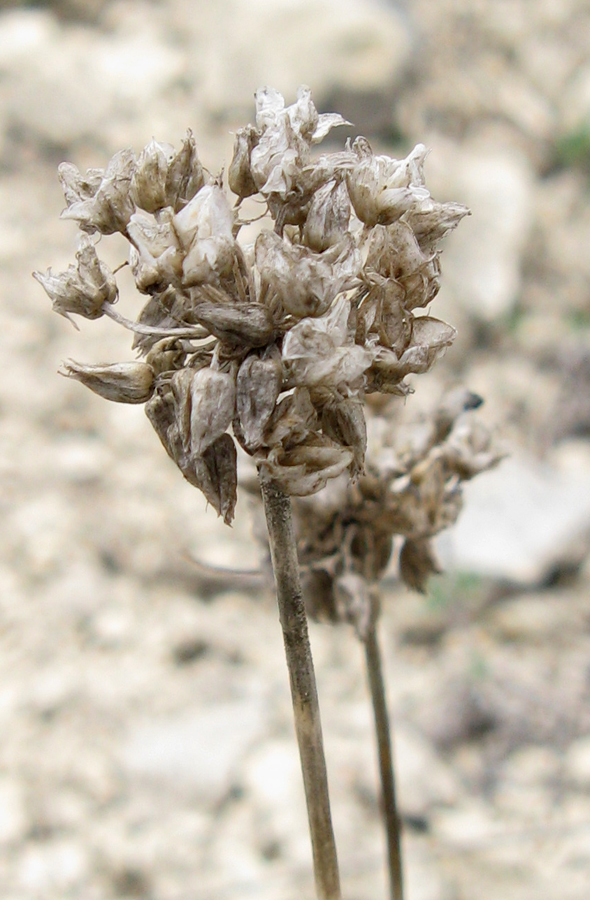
(530, 618)
(199, 751)
(63, 84)
(577, 762)
(522, 519)
(324, 43)
(482, 263)
(424, 781)
(13, 821)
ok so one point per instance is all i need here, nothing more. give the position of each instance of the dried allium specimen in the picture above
(281, 339)
(410, 491)
(273, 345)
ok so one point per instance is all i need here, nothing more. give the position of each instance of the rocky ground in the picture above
(146, 742)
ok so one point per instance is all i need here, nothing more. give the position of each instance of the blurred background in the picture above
(146, 744)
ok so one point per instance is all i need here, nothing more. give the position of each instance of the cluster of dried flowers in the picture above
(278, 340)
(411, 490)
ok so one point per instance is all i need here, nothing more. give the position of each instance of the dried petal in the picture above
(306, 468)
(185, 175)
(433, 222)
(155, 256)
(204, 229)
(430, 338)
(83, 289)
(382, 189)
(148, 186)
(395, 254)
(345, 423)
(328, 216)
(292, 420)
(217, 476)
(239, 176)
(417, 563)
(258, 385)
(106, 206)
(316, 352)
(213, 399)
(130, 382)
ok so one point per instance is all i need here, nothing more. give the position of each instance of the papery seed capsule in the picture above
(104, 206)
(239, 176)
(328, 217)
(244, 324)
(161, 412)
(417, 563)
(180, 384)
(258, 385)
(185, 175)
(306, 468)
(345, 423)
(148, 186)
(127, 382)
(84, 289)
(213, 400)
(216, 474)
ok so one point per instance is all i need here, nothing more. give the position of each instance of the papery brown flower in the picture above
(131, 382)
(306, 282)
(306, 468)
(259, 383)
(155, 255)
(321, 352)
(100, 201)
(283, 338)
(417, 563)
(382, 189)
(82, 289)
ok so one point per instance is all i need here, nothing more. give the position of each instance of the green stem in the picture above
(277, 508)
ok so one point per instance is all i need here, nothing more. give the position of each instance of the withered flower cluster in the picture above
(278, 340)
(411, 491)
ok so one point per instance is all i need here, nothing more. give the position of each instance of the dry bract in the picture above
(280, 341)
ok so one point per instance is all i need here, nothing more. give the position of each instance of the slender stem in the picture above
(384, 747)
(277, 507)
(191, 331)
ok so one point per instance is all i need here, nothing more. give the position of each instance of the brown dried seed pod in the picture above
(307, 467)
(417, 563)
(127, 382)
(258, 386)
(216, 475)
(213, 400)
(239, 176)
(244, 324)
(345, 423)
(185, 175)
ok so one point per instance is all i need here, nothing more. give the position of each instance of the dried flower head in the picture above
(272, 345)
(410, 492)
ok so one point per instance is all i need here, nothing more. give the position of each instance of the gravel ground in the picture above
(147, 746)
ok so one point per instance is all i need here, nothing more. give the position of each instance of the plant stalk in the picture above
(389, 810)
(277, 508)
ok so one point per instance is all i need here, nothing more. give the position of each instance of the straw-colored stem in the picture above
(386, 769)
(277, 507)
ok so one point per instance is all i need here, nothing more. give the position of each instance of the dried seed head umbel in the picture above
(279, 341)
